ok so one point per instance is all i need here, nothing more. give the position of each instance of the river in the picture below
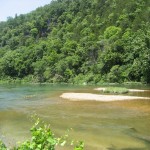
(119, 125)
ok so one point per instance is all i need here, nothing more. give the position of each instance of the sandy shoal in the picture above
(97, 97)
(130, 90)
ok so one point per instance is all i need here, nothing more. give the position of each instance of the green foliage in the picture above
(80, 146)
(112, 32)
(114, 75)
(117, 90)
(2, 146)
(91, 41)
(43, 139)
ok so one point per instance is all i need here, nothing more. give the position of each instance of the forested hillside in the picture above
(78, 41)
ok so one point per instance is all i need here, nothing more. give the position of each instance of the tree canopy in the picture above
(78, 41)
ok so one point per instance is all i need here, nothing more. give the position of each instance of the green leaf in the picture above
(40, 146)
(63, 143)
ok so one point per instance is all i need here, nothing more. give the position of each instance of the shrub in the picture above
(117, 90)
(43, 139)
(2, 146)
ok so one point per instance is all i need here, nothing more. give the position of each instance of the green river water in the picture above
(120, 125)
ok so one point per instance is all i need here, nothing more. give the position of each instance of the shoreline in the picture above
(99, 97)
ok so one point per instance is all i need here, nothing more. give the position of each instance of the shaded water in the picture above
(112, 125)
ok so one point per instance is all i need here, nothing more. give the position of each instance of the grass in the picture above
(116, 90)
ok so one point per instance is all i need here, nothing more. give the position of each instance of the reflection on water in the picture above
(112, 125)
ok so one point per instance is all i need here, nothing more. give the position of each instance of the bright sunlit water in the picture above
(120, 125)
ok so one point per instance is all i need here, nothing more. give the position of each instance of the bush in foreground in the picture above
(43, 139)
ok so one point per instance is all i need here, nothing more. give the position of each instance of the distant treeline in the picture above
(77, 41)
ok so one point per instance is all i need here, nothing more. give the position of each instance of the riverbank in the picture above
(99, 97)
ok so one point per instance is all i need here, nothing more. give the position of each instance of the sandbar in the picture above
(98, 97)
(130, 90)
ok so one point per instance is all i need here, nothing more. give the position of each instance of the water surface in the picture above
(116, 125)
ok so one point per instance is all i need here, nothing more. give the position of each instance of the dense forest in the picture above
(78, 41)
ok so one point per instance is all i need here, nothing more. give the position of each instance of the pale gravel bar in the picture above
(98, 97)
(130, 90)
